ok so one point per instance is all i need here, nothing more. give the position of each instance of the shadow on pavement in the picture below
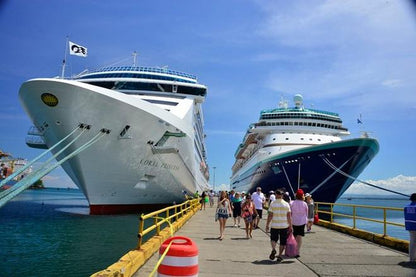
(408, 264)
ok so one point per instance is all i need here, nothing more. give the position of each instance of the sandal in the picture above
(272, 255)
(279, 259)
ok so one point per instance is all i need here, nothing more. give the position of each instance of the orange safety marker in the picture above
(181, 258)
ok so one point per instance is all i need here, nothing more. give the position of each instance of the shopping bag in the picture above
(315, 219)
(291, 246)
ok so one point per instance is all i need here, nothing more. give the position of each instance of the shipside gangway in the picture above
(48, 165)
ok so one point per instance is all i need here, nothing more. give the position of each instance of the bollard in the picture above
(181, 258)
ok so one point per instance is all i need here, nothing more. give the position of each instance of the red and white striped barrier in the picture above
(181, 258)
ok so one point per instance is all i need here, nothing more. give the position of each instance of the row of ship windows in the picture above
(299, 115)
(164, 70)
(299, 159)
(134, 75)
(149, 87)
(290, 123)
(302, 139)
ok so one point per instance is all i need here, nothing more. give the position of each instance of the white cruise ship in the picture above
(296, 147)
(152, 150)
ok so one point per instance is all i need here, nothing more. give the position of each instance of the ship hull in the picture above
(121, 172)
(313, 169)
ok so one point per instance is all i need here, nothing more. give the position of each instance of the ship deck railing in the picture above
(162, 70)
(353, 216)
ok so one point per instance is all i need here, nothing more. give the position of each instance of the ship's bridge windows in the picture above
(150, 87)
(135, 75)
(168, 103)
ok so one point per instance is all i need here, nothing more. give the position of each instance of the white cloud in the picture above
(345, 50)
(393, 83)
(58, 181)
(222, 187)
(400, 183)
(337, 23)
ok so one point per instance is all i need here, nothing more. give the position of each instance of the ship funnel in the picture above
(298, 99)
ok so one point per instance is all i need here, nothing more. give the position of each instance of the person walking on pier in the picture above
(223, 211)
(204, 200)
(299, 217)
(281, 223)
(211, 198)
(410, 224)
(311, 211)
(236, 207)
(249, 212)
(258, 199)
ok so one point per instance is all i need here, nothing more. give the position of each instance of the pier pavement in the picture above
(324, 253)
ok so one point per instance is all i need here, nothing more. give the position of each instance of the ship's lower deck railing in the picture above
(359, 215)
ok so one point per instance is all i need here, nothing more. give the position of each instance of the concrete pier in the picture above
(324, 253)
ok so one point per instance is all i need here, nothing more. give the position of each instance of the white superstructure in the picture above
(154, 149)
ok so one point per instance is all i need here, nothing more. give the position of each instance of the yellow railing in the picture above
(320, 209)
(163, 217)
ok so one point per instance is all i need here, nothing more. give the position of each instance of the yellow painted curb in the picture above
(127, 265)
(397, 244)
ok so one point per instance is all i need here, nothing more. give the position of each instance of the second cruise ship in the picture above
(296, 147)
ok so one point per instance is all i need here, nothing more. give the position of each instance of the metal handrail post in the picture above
(332, 212)
(385, 222)
(157, 226)
(141, 226)
(354, 213)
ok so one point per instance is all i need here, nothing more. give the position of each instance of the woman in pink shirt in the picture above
(299, 210)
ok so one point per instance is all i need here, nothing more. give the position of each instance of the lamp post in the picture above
(214, 167)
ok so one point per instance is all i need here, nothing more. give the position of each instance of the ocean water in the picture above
(49, 233)
(383, 201)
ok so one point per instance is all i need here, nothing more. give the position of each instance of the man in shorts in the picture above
(281, 223)
(258, 199)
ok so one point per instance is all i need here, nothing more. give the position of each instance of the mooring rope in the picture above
(43, 166)
(20, 170)
(330, 176)
(358, 180)
(10, 193)
(287, 178)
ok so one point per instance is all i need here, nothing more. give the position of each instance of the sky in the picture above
(356, 58)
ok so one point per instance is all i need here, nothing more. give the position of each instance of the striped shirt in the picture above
(279, 208)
